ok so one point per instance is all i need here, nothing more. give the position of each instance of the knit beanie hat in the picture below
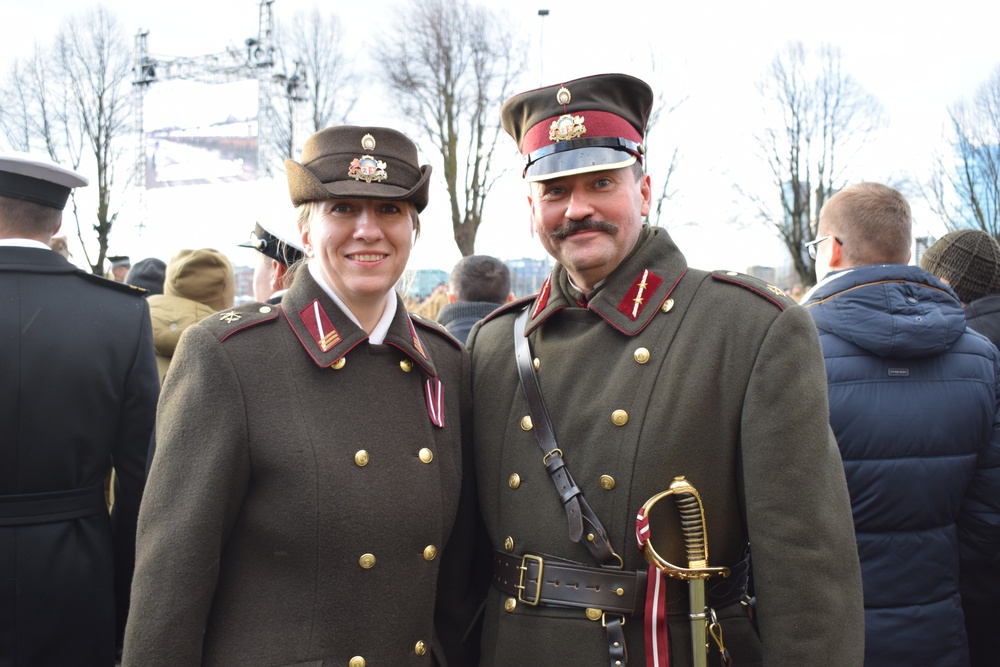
(148, 274)
(205, 276)
(969, 259)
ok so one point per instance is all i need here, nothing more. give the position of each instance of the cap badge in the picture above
(567, 127)
(368, 142)
(367, 169)
(638, 295)
(563, 96)
(320, 326)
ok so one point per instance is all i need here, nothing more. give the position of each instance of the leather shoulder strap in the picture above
(578, 512)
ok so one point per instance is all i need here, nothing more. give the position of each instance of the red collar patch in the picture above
(416, 340)
(320, 326)
(638, 295)
(543, 297)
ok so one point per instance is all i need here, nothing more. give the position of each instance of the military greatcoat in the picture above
(309, 499)
(78, 386)
(670, 371)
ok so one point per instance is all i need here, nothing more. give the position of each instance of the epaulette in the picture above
(516, 305)
(225, 323)
(759, 287)
(436, 327)
(112, 284)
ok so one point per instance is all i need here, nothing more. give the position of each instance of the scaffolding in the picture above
(254, 62)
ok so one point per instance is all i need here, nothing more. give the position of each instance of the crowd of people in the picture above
(332, 476)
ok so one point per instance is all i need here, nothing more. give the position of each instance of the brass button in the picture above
(514, 480)
(357, 661)
(526, 422)
(536, 363)
(607, 482)
(338, 364)
(426, 455)
(367, 561)
(430, 552)
(641, 355)
(510, 604)
(265, 309)
(508, 544)
(619, 417)
(667, 306)
(619, 592)
(731, 273)
(594, 614)
(361, 458)
(406, 365)
(420, 648)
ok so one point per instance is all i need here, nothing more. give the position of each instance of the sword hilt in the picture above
(692, 522)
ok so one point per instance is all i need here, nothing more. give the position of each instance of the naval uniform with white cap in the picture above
(311, 500)
(650, 370)
(79, 387)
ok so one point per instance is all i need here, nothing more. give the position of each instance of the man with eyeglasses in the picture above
(913, 402)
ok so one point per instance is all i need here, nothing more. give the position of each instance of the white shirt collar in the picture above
(377, 336)
(24, 243)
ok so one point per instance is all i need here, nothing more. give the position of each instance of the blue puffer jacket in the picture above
(913, 403)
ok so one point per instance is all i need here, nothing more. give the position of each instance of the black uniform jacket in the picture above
(79, 388)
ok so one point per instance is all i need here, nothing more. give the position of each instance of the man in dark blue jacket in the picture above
(913, 403)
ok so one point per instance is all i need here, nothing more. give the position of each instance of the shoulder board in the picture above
(759, 287)
(225, 323)
(435, 327)
(112, 284)
(514, 306)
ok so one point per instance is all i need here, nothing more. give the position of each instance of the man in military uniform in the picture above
(650, 371)
(279, 250)
(79, 387)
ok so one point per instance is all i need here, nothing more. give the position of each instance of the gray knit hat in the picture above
(969, 259)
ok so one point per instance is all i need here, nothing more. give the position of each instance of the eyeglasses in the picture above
(811, 246)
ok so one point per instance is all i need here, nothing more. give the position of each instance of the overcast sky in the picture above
(916, 58)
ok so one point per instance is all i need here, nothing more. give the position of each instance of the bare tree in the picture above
(964, 188)
(317, 74)
(450, 65)
(660, 113)
(825, 117)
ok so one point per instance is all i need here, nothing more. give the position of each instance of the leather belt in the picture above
(33, 508)
(544, 580)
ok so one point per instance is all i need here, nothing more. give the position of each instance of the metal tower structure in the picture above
(256, 62)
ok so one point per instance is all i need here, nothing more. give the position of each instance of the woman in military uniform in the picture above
(311, 500)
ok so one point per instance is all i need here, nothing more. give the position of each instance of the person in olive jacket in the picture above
(79, 387)
(311, 500)
(650, 371)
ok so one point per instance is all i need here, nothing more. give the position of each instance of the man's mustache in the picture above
(584, 225)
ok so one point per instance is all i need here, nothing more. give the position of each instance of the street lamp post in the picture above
(541, 50)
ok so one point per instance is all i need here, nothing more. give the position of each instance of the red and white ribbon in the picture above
(655, 626)
(434, 391)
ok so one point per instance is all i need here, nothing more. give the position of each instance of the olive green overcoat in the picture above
(671, 371)
(306, 504)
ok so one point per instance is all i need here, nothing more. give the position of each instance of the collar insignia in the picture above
(567, 127)
(638, 295)
(416, 339)
(320, 326)
(543, 297)
(229, 317)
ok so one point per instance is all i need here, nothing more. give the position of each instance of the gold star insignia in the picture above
(229, 317)
(637, 300)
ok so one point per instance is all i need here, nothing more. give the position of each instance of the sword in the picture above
(692, 515)
(696, 544)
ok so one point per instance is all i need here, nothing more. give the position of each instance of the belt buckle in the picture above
(523, 567)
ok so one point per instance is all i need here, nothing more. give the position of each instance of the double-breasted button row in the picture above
(367, 561)
(607, 482)
(362, 457)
